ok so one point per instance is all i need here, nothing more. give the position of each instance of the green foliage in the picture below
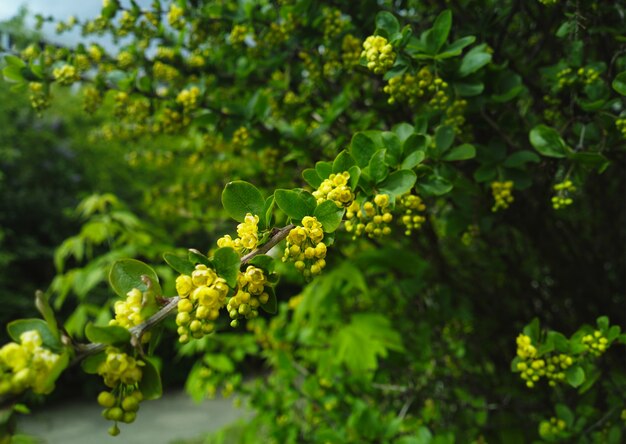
(401, 330)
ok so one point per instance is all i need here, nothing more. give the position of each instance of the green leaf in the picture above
(13, 73)
(387, 23)
(575, 375)
(455, 48)
(43, 305)
(227, 263)
(271, 306)
(312, 178)
(564, 413)
(444, 136)
(264, 262)
(378, 170)
(324, 169)
(461, 152)
(403, 131)
(475, 59)
(343, 162)
(295, 203)
(180, 264)
(438, 34)
(547, 141)
(394, 148)
(485, 173)
(355, 174)
(435, 185)
(362, 148)
(603, 323)
(265, 220)
(619, 83)
(19, 326)
(150, 384)
(12, 60)
(398, 183)
(469, 89)
(329, 215)
(195, 257)
(91, 363)
(220, 362)
(110, 334)
(240, 198)
(359, 344)
(412, 160)
(519, 159)
(126, 274)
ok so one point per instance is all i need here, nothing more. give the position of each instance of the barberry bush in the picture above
(409, 216)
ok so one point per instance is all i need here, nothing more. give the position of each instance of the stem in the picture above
(136, 332)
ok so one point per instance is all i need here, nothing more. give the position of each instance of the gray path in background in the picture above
(173, 417)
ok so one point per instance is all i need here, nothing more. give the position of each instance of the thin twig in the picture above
(136, 332)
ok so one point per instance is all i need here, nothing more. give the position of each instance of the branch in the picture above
(136, 332)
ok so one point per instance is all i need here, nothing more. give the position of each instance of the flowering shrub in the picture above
(420, 239)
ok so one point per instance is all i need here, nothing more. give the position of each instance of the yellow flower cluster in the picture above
(562, 198)
(118, 367)
(82, 62)
(95, 53)
(188, 98)
(379, 54)
(125, 59)
(241, 139)
(532, 369)
(39, 100)
(202, 295)
(335, 188)
(333, 23)
(454, 114)
(502, 195)
(305, 247)
(248, 233)
(238, 34)
(66, 75)
(175, 16)
(567, 77)
(128, 312)
(554, 427)
(620, 124)
(26, 365)
(120, 408)
(411, 219)
(373, 218)
(472, 232)
(419, 88)
(350, 51)
(163, 71)
(250, 295)
(596, 343)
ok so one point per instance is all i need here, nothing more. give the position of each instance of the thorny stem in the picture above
(84, 350)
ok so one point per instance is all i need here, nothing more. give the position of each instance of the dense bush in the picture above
(441, 273)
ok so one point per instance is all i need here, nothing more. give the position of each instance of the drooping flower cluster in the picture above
(379, 54)
(350, 50)
(248, 233)
(128, 312)
(335, 188)
(562, 197)
(620, 124)
(121, 373)
(370, 218)
(202, 295)
(552, 429)
(502, 195)
(118, 367)
(251, 294)
(422, 87)
(26, 365)
(39, 98)
(306, 248)
(411, 205)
